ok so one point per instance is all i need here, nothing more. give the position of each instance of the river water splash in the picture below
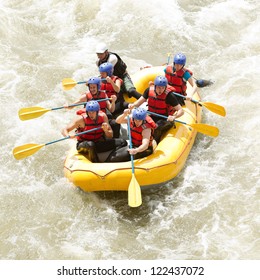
(210, 211)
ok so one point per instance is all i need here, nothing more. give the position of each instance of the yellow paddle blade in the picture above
(31, 113)
(68, 83)
(205, 129)
(218, 109)
(134, 193)
(26, 150)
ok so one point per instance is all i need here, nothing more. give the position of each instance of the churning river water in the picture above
(210, 211)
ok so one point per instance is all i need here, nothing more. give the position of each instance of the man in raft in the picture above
(161, 100)
(178, 76)
(97, 141)
(119, 68)
(141, 128)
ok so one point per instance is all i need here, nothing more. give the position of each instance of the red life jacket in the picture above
(102, 104)
(89, 124)
(176, 79)
(81, 111)
(157, 103)
(108, 88)
(100, 95)
(136, 132)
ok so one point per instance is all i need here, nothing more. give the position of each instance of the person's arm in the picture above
(76, 123)
(140, 100)
(172, 100)
(112, 59)
(111, 105)
(106, 127)
(188, 77)
(178, 113)
(137, 103)
(116, 85)
(145, 142)
(83, 98)
(123, 117)
(194, 88)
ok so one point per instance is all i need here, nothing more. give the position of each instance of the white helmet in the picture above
(101, 48)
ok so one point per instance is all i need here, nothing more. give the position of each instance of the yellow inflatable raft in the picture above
(159, 168)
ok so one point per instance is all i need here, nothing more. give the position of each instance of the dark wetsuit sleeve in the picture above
(172, 100)
(146, 92)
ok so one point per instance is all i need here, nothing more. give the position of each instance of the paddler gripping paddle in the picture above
(27, 150)
(69, 83)
(134, 190)
(200, 83)
(35, 112)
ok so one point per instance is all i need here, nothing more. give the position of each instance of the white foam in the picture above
(209, 211)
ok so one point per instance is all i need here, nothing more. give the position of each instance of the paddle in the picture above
(69, 83)
(134, 190)
(35, 112)
(215, 108)
(200, 127)
(27, 150)
(168, 58)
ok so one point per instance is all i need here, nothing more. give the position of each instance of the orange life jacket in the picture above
(136, 132)
(176, 79)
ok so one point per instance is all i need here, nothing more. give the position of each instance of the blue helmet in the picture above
(96, 81)
(92, 106)
(107, 67)
(179, 58)
(139, 114)
(161, 81)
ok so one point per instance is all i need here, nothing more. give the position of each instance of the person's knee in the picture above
(133, 93)
(157, 136)
(121, 143)
(160, 123)
(162, 128)
(116, 128)
(119, 158)
(85, 146)
(119, 155)
(131, 90)
(168, 125)
(125, 105)
(143, 154)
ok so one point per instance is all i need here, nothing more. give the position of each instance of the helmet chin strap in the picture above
(96, 116)
(173, 67)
